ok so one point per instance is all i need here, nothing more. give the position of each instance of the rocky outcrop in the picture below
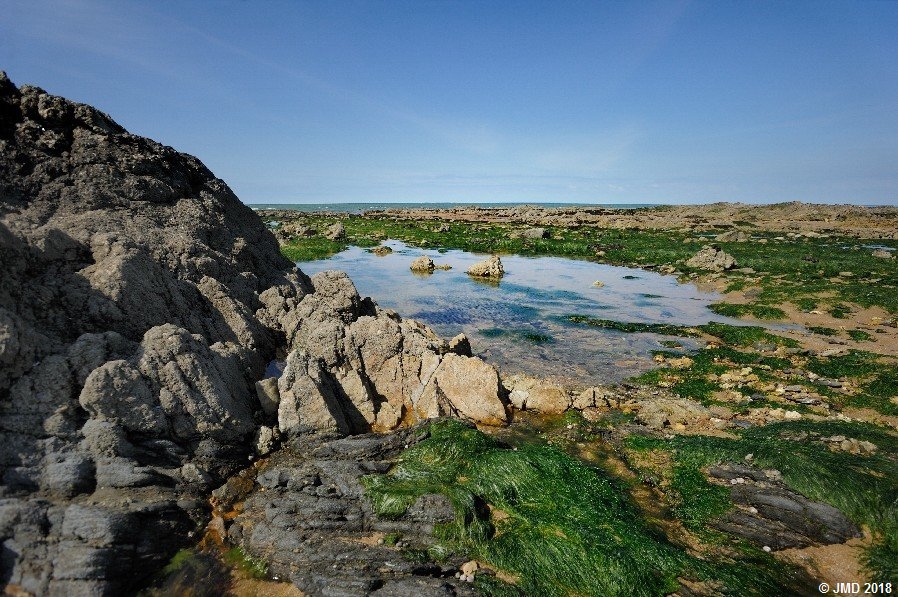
(311, 522)
(355, 368)
(140, 305)
(488, 268)
(712, 259)
(129, 341)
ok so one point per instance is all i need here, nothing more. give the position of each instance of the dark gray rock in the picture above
(312, 523)
(773, 515)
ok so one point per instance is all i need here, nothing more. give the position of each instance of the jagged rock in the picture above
(488, 268)
(132, 329)
(422, 264)
(335, 232)
(460, 345)
(713, 259)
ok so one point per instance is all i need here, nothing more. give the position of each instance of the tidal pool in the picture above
(519, 324)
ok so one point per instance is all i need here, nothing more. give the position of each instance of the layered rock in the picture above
(140, 304)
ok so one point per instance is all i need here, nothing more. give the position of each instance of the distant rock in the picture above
(382, 250)
(535, 233)
(488, 268)
(335, 232)
(423, 264)
(713, 259)
(883, 254)
(734, 236)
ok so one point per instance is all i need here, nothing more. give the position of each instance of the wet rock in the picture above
(488, 268)
(773, 515)
(713, 259)
(382, 250)
(314, 525)
(422, 264)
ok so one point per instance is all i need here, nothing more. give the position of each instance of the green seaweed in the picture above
(565, 528)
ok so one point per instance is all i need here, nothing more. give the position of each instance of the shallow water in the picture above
(519, 323)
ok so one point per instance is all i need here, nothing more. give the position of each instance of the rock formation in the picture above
(423, 264)
(713, 259)
(140, 305)
(488, 268)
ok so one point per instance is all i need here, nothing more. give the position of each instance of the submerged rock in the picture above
(488, 268)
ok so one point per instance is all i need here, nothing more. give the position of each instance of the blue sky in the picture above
(602, 101)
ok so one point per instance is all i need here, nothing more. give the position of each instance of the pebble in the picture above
(767, 548)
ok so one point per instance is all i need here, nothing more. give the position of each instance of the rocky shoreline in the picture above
(141, 311)
(141, 304)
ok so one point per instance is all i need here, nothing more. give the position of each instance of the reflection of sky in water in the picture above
(519, 324)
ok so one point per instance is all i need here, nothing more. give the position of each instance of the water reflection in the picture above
(519, 323)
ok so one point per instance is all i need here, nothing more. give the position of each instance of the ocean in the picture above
(361, 207)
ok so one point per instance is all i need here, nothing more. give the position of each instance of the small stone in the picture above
(767, 549)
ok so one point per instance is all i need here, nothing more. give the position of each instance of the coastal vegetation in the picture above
(526, 503)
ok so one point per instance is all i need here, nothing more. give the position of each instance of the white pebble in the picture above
(767, 548)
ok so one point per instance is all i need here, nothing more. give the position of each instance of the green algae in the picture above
(565, 528)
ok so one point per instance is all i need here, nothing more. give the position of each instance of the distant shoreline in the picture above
(378, 206)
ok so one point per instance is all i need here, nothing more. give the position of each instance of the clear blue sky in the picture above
(600, 101)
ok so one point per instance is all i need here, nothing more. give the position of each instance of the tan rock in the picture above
(488, 268)
(267, 392)
(422, 264)
(468, 387)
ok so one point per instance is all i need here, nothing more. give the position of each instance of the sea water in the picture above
(520, 323)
